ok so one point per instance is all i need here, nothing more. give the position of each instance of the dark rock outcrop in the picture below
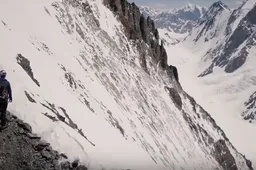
(223, 155)
(233, 54)
(209, 19)
(30, 98)
(250, 109)
(172, 70)
(175, 97)
(138, 27)
(22, 150)
(220, 149)
(25, 64)
(243, 33)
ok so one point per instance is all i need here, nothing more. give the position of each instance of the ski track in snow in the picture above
(221, 94)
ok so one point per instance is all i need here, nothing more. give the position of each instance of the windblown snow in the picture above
(77, 81)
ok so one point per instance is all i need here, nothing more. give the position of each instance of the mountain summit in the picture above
(225, 40)
(189, 12)
(178, 20)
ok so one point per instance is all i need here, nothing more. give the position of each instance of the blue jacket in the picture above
(8, 85)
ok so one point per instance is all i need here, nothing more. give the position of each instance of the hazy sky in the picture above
(167, 4)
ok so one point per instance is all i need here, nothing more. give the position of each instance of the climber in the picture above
(5, 95)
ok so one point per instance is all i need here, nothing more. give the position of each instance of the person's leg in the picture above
(1, 112)
(3, 107)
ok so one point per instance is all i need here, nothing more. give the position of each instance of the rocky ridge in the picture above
(141, 30)
(20, 149)
(230, 33)
(250, 111)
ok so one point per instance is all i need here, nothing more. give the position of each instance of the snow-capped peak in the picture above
(147, 11)
(220, 4)
(238, 14)
(188, 7)
(178, 20)
(215, 9)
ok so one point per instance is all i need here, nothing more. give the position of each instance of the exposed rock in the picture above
(54, 119)
(25, 64)
(115, 123)
(32, 136)
(232, 54)
(64, 155)
(80, 167)
(48, 148)
(25, 126)
(173, 71)
(18, 151)
(236, 63)
(175, 97)
(75, 164)
(223, 155)
(29, 97)
(41, 145)
(221, 148)
(138, 27)
(70, 123)
(250, 109)
(207, 71)
(46, 155)
(65, 165)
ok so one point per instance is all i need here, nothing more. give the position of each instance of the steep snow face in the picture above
(225, 43)
(77, 80)
(222, 95)
(229, 50)
(170, 38)
(210, 27)
(178, 20)
(238, 14)
(216, 64)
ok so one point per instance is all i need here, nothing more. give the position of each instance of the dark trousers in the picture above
(3, 107)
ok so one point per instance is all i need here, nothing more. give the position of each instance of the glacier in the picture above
(202, 59)
(78, 81)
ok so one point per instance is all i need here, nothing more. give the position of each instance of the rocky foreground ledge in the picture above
(20, 149)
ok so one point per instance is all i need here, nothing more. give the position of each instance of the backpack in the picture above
(3, 90)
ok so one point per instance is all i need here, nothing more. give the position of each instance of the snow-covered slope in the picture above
(225, 36)
(225, 42)
(217, 66)
(78, 81)
(170, 38)
(238, 14)
(210, 29)
(178, 20)
(189, 12)
(221, 95)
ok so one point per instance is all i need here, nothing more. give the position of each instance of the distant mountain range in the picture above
(178, 20)
(226, 38)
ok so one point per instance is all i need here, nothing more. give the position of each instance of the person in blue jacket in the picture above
(5, 97)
